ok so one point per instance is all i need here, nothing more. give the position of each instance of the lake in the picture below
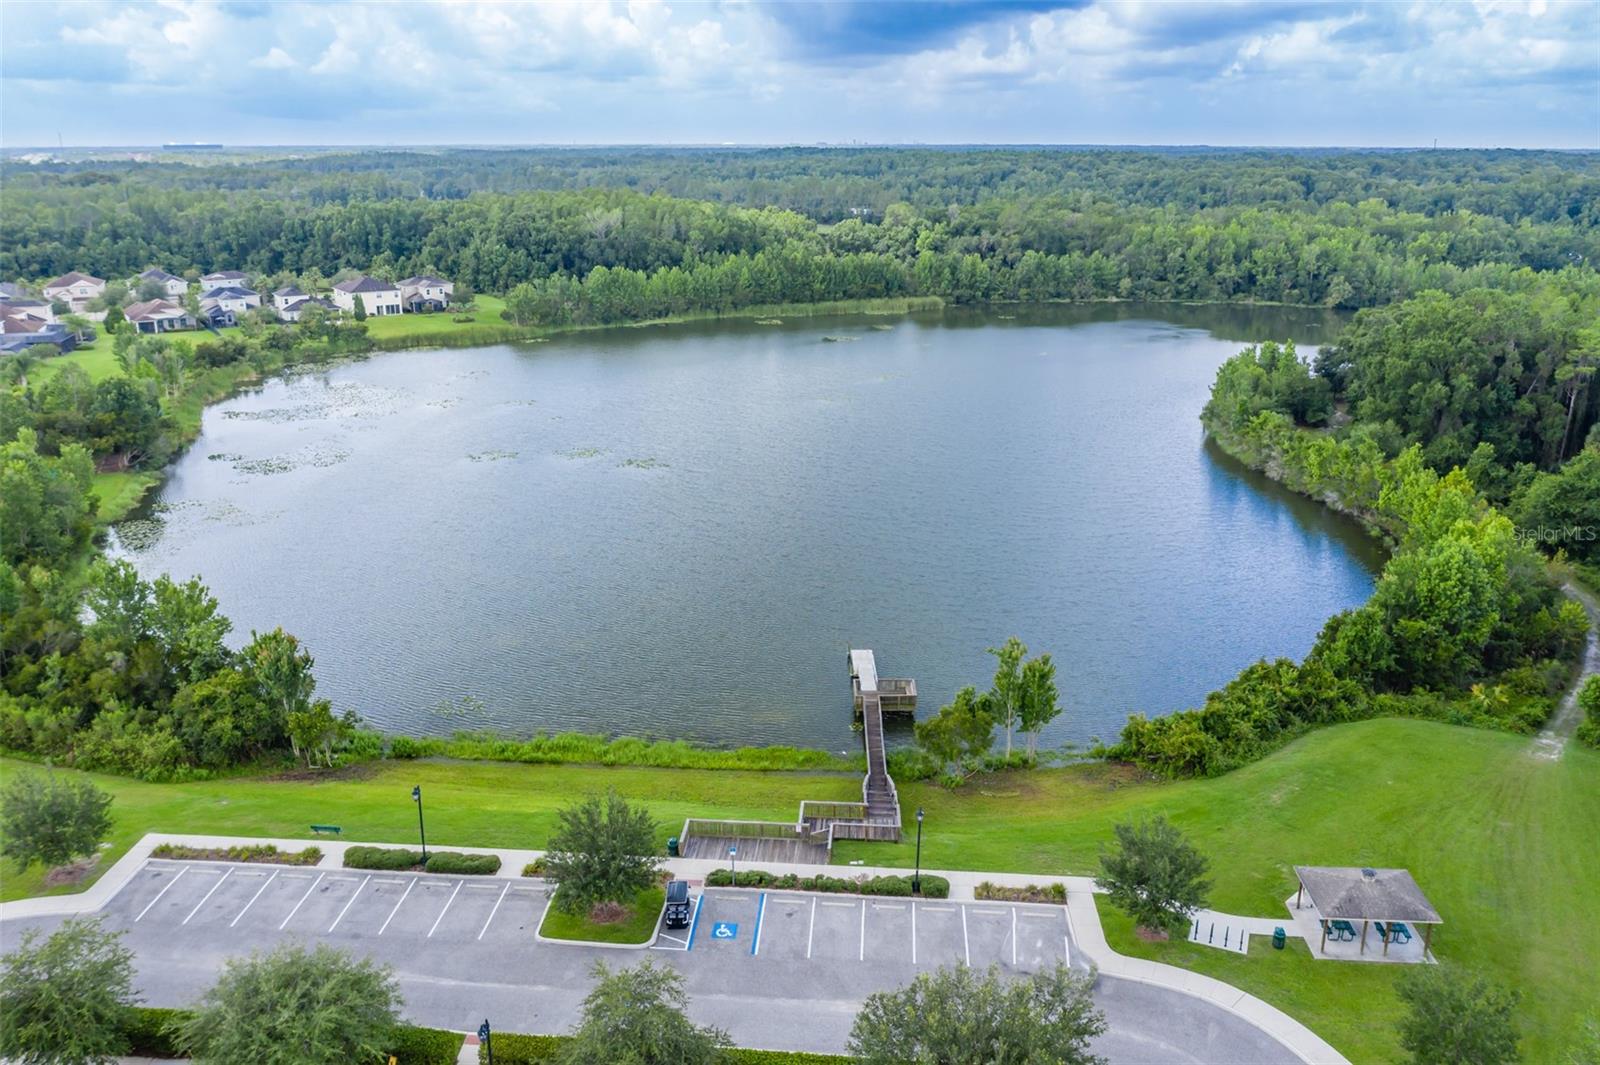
(678, 531)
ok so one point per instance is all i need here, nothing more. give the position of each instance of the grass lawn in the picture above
(638, 928)
(1503, 844)
(120, 492)
(485, 318)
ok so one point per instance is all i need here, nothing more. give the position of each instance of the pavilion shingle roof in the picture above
(1350, 893)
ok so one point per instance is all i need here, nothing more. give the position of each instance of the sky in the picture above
(1473, 74)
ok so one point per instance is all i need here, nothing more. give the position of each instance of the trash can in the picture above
(672, 847)
(1278, 938)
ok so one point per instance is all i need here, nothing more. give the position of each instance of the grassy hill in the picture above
(1503, 844)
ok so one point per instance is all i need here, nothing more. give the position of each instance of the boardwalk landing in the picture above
(809, 839)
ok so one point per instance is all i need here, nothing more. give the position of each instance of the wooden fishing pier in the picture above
(809, 838)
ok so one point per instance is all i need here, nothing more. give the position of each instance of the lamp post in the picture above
(733, 866)
(416, 795)
(916, 879)
(483, 1037)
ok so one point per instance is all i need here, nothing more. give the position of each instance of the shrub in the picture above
(512, 1049)
(1589, 703)
(536, 868)
(153, 1033)
(52, 820)
(404, 747)
(463, 864)
(424, 1046)
(388, 858)
(933, 887)
(608, 913)
(1050, 893)
(265, 852)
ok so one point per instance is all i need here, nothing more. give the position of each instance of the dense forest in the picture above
(1456, 414)
(713, 231)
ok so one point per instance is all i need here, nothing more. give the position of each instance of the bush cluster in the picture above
(1056, 893)
(383, 858)
(153, 1033)
(463, 864)
(512, 1049)
(425, 1046)
(574, 748)
(933, 887)
(264, 852)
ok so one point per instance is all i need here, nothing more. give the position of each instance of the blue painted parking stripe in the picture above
(761, 911)
(695, 923)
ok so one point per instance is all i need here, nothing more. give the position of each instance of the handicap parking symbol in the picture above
(724, 930)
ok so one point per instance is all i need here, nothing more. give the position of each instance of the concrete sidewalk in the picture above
(1083, 919)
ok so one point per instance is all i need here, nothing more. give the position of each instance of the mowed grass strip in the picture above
(637, 928)
(1503, 844)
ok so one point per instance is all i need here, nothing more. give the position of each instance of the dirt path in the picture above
(1552, 739)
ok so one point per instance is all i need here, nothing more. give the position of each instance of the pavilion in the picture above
(1342, 896)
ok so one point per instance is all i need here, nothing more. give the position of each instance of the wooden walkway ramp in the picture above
(809, 838)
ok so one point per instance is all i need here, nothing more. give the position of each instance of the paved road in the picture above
(777, 970)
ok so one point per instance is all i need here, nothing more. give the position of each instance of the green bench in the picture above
(325, 830)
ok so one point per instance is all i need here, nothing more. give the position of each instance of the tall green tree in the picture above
(636, 1017)
(46, 503)
(1154, 875)
(295, 1006)
(1040, 699)
(66, 1000)
(51, 819)
(957, 1016)
(961, 731)
(1457, 1018)
(1006, 691)
(603, 850)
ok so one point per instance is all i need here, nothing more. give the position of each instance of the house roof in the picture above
(72, 279)
(138, 312)
(288, 290)
(427, 280)
(232, 292)
(155, 273)
(1348, 893)
(226, 275)
(310, 301)
(20, 303)
(365, 284)
(24, 323)
(11, 290)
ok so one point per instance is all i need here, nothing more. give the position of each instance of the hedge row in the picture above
(152, 1033)
(933, 887)
(264, 852)
(1056, 893)
(512, 1049)
(395, 858)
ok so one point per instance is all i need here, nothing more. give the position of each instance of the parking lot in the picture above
(777, 969)
(794, 928)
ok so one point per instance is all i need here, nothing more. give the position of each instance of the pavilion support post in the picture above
(1427, 936)
(1363, 937)
(1298, 895)
(1387, 929)
(1324, 947)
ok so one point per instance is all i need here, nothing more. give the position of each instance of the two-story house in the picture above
(75, 290)
(172, 286)
(224, 279)
(223, 306)
(425, 293)
(378, 297)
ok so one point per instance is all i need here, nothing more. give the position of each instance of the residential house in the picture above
(22, 332)
(224, 279)
(157, 316)
(378, 297)
(286, 295)
(10, 290)
(75, 290)
(15, 305)
(225, 306)
(292, 312)
(424, 294)
(172, 287)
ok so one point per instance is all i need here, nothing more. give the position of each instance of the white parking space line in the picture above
(496, 909)
(446, 909)
(391, 880)
(297, 876)
(812, 929)
(302, 902)
(990, 913)
(966, 944)
(913, 933)
(208, 895)
(844, 905)
(163, 891)
(350, 902)
(397, 905)
(1066, 940)
(253, 899)
(352, 878)
(527, 890)
(1013, 937)
(863, 956)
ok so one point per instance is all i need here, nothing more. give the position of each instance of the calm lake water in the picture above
(679, 531)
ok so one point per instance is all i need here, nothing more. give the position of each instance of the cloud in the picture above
(1127, 71)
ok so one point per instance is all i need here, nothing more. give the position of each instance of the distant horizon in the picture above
(398, 146)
